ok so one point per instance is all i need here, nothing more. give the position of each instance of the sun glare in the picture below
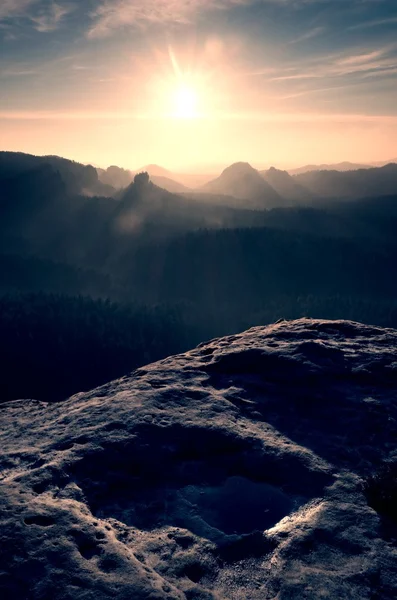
(186, 102)
(181, 91)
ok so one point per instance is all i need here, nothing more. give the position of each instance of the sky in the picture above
(195, 84)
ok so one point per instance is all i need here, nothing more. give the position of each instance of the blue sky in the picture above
(92, 80)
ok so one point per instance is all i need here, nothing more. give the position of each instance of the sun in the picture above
(185, 102)
(180, 92)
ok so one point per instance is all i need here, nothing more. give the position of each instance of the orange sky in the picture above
(196, 144)
(190, 85)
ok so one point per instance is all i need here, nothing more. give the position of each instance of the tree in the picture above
(142, 179)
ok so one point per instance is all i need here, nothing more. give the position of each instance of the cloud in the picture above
(111, 15)
(308, 35)
(332, 72)
(362, 59)
(333, 66)
(14, 72)
(44, 17)
(374, 23)
(15, 8)
(382, 58)
(49, 19)
(114, 14)
(382, 72)
(296, 77)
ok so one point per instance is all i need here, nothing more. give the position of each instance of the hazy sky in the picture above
(199, 82)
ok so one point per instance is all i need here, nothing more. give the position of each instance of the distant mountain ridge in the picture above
(242, 181)
(383, 163)
(362, 183)
(285, 185)
(342, 166)
(78, 178)
(156, 171)
(121, 178)
(115, 176)
(275, 188)
(238, 186)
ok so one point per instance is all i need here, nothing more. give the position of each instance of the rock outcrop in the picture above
(258, 466)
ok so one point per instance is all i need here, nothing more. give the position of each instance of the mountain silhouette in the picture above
(144, 204)
(164, 178)
(77, 178)
(115, 177)
(342, 166)
(363, 183)
(286, 186)
(155, 171)
(382, 163)
(169, 184)
(24, 196)
(244, 182)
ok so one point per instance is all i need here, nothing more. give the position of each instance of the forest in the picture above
(97, 281)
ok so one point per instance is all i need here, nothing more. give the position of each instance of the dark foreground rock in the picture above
(258, 466)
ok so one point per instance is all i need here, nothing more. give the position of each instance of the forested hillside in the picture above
(93, 286)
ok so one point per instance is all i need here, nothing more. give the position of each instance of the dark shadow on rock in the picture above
(208, 481)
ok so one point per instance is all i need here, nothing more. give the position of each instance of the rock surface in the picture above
(242, 470)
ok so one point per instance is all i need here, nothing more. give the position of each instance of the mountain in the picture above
(47, 210)
(146, 206)
(245, 183)
(76, 177)
(26, 196)
(156, 171)
(171, 179)
(286, 186)
(116, 177)
(169, 184)
(259, 465)
(343, 166)
(363, 183)
(121, 178)
(382, 163)
(164, 179)
(193, 180)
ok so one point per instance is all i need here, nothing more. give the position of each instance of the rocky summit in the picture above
(259, 466)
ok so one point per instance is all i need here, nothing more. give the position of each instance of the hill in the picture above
(363, 183)
(41, 212)
(193, 180)
(286, 186)
(115, 177)
(169, 184)
(256, 466)
(156, 171)
(245, 183)
(187, 180)
(343, 166)
(77, 178)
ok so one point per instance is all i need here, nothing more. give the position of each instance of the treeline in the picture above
(93, 287)
(52, 346)
(33, 274)
(240, 269)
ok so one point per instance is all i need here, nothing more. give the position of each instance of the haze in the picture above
(190, 85)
